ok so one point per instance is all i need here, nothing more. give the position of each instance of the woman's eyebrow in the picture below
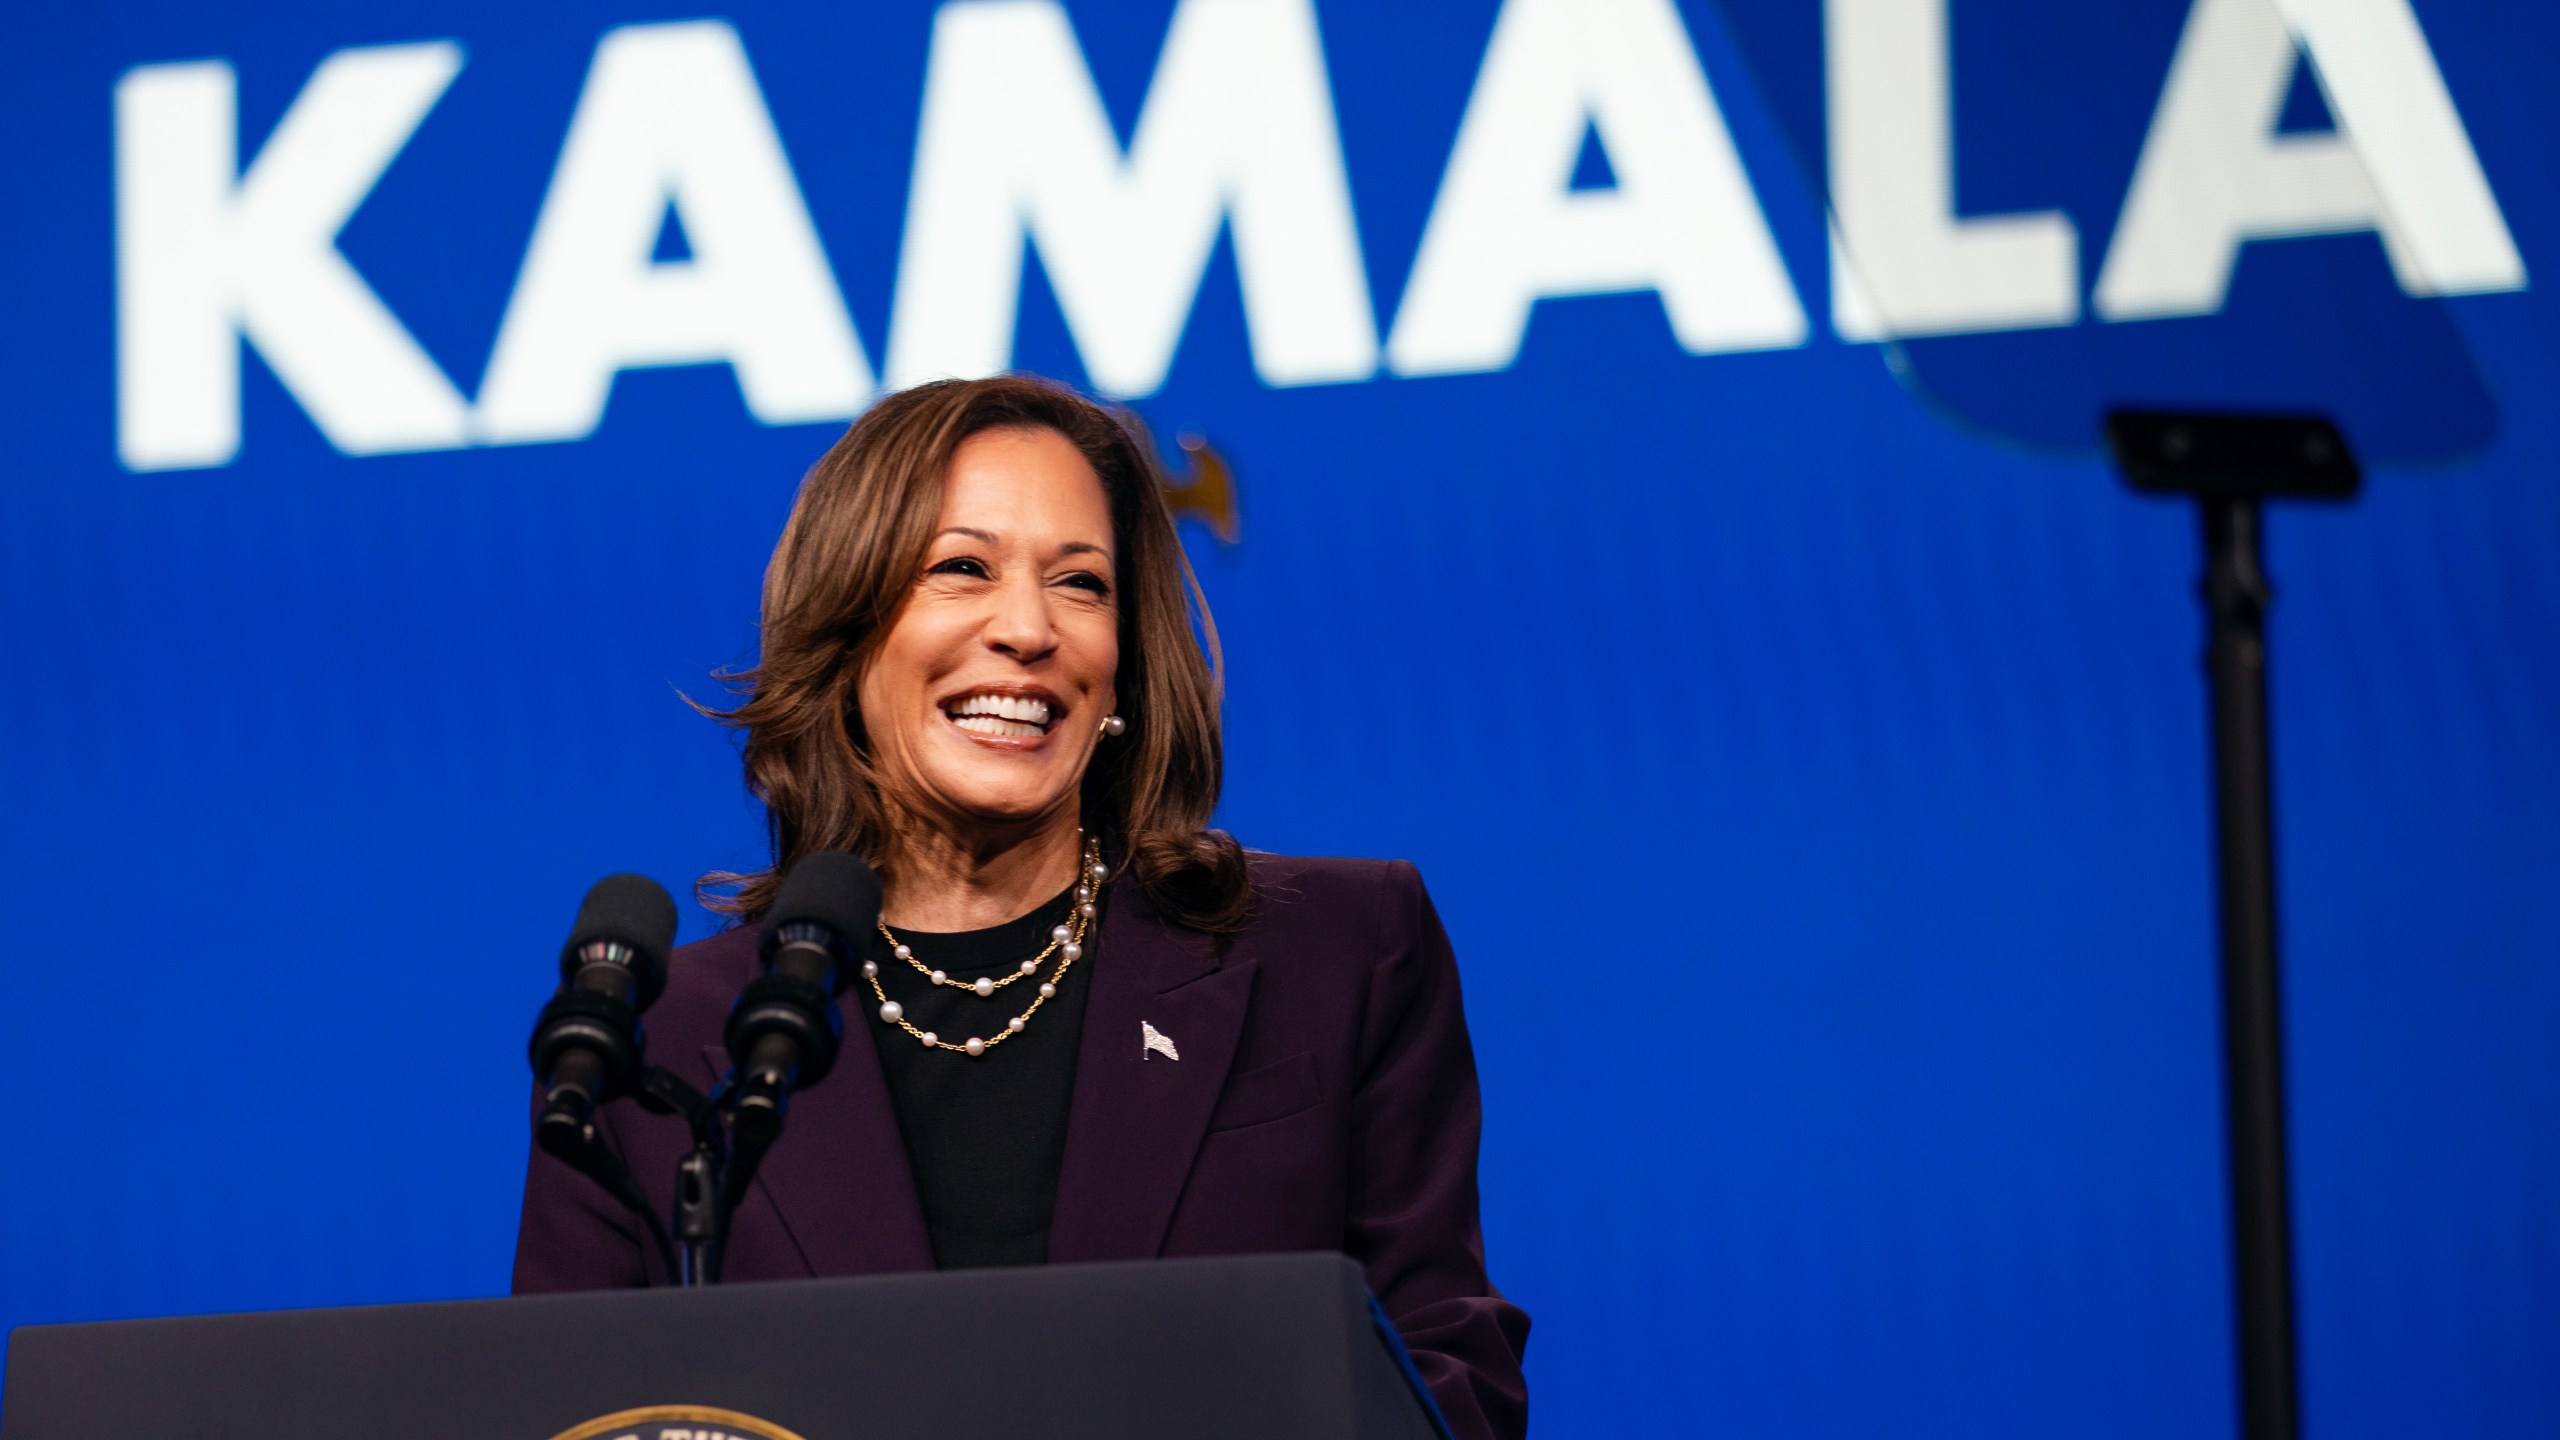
(1072, 547)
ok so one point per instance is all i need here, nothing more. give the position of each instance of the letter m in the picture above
(1238, 128)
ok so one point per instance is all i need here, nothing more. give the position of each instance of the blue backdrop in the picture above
(1809, 768)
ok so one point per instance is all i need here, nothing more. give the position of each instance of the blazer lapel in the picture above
(1136, 1119)
(838, 1177)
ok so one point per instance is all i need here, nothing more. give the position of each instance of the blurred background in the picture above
(1671, 514)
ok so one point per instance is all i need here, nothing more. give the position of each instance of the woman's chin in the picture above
(999, 801)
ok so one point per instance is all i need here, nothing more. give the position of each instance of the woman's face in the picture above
(987, 696)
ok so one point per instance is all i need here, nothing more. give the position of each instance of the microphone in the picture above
(786, 1030)
(587, 1043)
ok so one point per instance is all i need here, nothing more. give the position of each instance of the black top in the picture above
(985, 1135)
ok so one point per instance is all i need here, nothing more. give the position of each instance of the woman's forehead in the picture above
(1023, 484)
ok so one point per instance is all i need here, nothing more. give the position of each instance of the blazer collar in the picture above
(1136, 1119)
(840, 1180)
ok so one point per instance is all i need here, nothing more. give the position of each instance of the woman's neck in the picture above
(936, 881)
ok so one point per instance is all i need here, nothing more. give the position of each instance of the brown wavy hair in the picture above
(839, 578)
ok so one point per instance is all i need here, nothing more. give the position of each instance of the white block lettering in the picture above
(1508, 230)
(1238, 126)
(1902, 263)
(2215, 173)
(206, 255)
(671, 116)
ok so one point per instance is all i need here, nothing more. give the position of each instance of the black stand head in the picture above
(2225, 456)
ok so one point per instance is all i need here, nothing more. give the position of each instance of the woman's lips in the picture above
(997, 734)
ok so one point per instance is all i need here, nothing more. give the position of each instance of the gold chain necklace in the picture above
(1065, 941)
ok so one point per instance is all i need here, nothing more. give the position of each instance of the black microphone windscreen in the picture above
(635, 910)
(830, 888)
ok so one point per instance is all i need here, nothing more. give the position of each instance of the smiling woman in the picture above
(973, 542)
(1102, 1030)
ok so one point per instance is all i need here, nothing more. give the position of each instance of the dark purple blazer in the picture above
(1325, 1100)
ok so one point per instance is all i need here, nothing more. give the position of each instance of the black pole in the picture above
(2231, 464)
(700, 1223)
(2235, 594)
(698, 1218)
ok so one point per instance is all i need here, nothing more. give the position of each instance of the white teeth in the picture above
(992, 725)
(1020, 709)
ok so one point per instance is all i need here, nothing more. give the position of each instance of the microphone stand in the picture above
(710, 1181)
(698, 1231)
(712, 1178)
(714, 1175)
(784, 1031)
(2230, 465)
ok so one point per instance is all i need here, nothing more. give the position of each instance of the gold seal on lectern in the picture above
(676, 1422)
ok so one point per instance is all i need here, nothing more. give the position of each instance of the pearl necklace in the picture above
(1066, 942)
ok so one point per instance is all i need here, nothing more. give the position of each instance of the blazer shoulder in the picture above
(1289, 879)
(1372, 905)
(703, 978)
(721, 959)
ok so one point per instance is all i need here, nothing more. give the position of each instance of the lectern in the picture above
(1268, 1347)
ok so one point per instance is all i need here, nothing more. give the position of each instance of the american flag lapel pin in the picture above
(1151, 1039)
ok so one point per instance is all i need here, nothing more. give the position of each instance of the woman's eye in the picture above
(959, 565)
(1087, 580)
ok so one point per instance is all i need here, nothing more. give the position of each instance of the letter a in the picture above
(671, 116)
(1508, 229)
(2215, 173)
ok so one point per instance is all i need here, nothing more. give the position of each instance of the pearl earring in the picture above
(1113, 725)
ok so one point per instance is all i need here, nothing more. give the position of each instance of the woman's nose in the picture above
(1020, 626)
